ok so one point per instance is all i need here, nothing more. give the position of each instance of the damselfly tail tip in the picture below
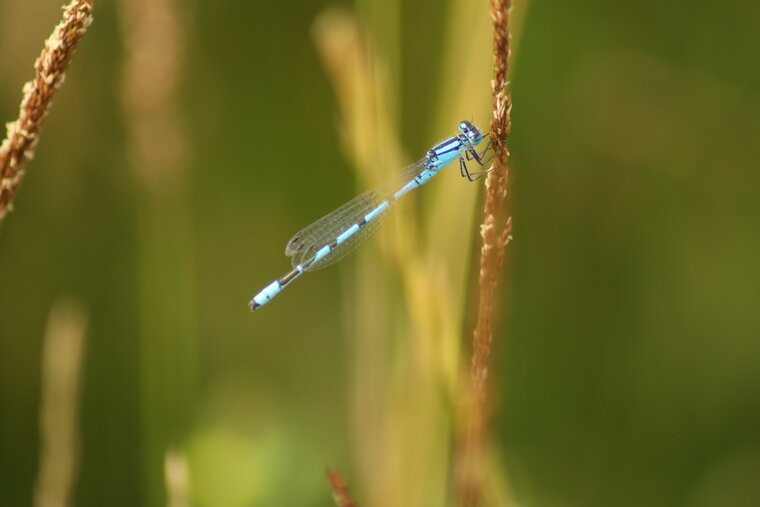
(253, 305)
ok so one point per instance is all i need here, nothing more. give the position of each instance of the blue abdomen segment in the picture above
(321, 253)
(347, 233)
(265, 295)
(372, 214)
(420, 179)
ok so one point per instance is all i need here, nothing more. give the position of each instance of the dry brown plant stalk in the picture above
(495, 236)
(496, 233)
(339, 488)
(50, 67)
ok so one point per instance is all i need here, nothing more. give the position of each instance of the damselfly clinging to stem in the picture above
(337, 234)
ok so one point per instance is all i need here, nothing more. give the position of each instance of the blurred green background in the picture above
(626, 362)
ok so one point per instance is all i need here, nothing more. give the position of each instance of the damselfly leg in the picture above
(472, 154)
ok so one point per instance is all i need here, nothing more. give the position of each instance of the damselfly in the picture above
(337, 234)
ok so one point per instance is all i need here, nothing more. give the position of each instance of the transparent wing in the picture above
(306, 242)
(348, 246)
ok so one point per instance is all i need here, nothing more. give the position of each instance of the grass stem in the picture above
(496, 233)
(50, 68)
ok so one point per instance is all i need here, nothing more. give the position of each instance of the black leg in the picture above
(466, 172)
(485, 150)
(463, 169)
(486, 162)
(472, 154)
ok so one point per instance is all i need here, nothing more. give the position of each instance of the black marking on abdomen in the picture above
(288, 278)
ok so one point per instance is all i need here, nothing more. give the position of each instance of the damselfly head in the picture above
(473, 133)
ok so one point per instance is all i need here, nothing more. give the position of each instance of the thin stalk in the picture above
(339, 488)
(62, 358)
(496, 233)
(50, 68)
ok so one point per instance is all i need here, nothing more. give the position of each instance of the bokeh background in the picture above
(188, 144)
